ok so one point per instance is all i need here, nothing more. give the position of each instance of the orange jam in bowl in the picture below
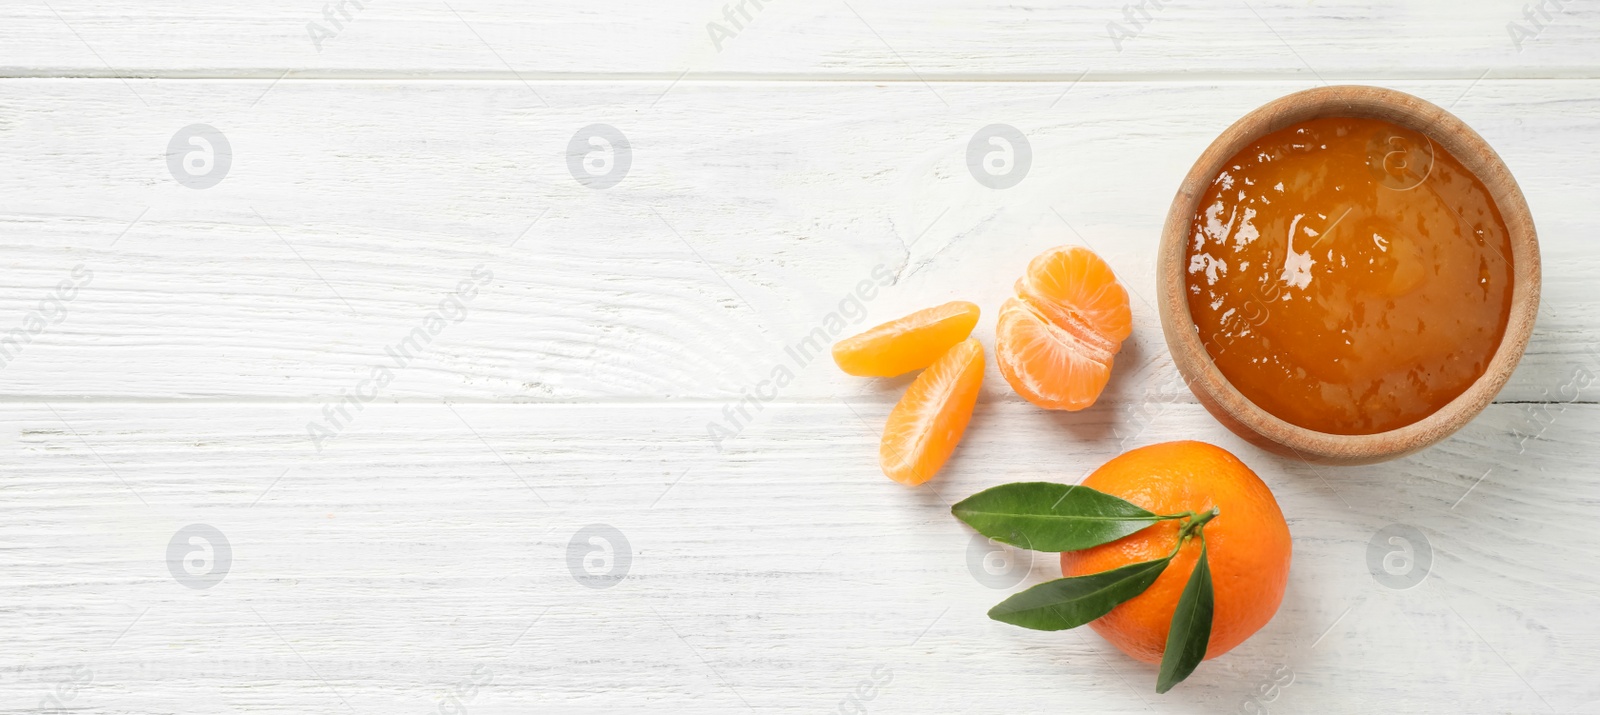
(1348, 275)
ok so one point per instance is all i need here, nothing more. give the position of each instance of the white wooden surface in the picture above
(424, 549)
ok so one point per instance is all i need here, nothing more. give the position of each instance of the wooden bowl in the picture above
(1256, 424)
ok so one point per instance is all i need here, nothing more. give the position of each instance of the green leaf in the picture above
(1043, 516)
(1191, 627)
(1071, 602)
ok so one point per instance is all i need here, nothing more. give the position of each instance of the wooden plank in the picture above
(750, 212)
(890, 39)
(428, 547)
(408, 499)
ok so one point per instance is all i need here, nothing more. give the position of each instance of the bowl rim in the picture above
(1254, 423)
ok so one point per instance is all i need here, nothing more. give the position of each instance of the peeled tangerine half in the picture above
(926, 425)
(1056, 339)
(910, 343)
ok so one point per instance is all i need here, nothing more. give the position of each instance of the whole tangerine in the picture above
(1247, 545)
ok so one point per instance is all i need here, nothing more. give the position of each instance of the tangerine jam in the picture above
(1349, 275)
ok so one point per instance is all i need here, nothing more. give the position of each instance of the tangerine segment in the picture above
(910, 343)
(1048, 366)
(1056, 338)
(927, 423)
(1247, 545)
(1079, 292)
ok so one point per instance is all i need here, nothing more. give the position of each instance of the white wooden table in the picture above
(526, 513)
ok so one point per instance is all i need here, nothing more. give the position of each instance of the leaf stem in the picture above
(1197, 524)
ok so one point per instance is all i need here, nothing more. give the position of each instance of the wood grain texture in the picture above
(420, 556)
(750, 212)
(891, 39)
(781, 570)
